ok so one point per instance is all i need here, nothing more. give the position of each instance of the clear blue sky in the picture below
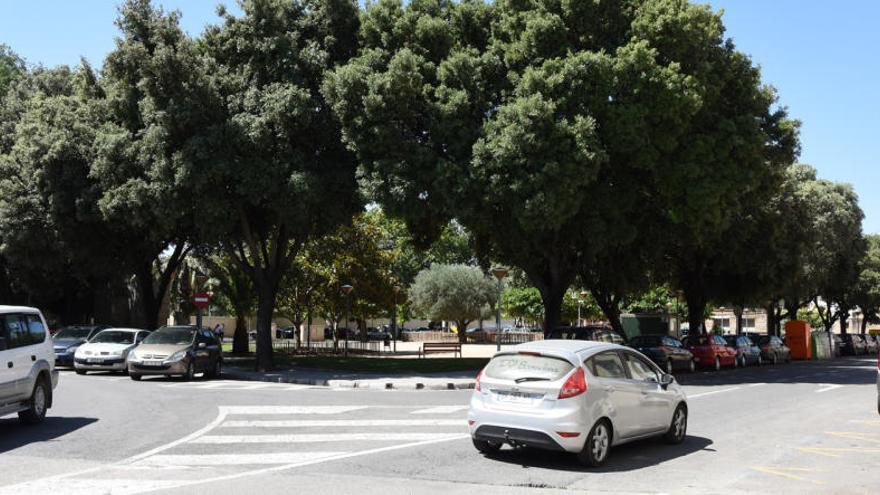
(822, 58)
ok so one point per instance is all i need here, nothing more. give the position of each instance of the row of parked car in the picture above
(690, 353)
(175, 350)
(856, 344)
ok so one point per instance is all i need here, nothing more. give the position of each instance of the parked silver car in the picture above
(108, 350)
(575, 396)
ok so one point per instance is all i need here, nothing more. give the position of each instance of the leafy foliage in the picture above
(452, 292)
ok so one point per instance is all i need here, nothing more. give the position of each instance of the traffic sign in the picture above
(201, 300)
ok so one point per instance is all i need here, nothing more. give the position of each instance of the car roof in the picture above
(125, 329)
(570, 348)
(18, 309)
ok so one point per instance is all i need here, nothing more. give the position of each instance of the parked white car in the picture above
(27, 364)
(575, 396)
(108, 350)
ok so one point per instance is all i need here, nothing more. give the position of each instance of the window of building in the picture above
(748, 324)
(721, 324)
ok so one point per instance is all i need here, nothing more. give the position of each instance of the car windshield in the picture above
(114, 337)
(531, 366)
(645, 341)
(178, 336)
(73, 333)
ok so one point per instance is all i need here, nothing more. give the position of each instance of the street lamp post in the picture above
(394, 333)
(346, 290)
(500, 272)
(581, 297)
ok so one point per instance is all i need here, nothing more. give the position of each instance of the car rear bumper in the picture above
(534, 428)
(64, 359)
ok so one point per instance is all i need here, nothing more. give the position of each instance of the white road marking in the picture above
(704, 394)
(827, 387)
(234, 459)
(275, 410)
(341, 423)
(440, 410)
(89, 487)
(321, 437)
(755, 385)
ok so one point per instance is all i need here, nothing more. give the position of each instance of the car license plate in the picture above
(515, 397)
(94, 360)
(152, 363)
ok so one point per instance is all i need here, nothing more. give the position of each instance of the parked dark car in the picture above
(598, 333)
(66, 341)
(746, 350)
(838, 344)
(773, 349)
(668, 352)
(285, 333)
(852, 345)
(871, 343)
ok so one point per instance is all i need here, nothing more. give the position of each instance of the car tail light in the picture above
(575, 385)
(568, 434)
(477, 386)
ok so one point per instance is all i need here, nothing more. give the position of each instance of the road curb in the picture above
(371, 383)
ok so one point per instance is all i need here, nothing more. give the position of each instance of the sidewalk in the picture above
(457, 380)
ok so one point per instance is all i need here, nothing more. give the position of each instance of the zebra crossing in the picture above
(236, 385)
(247, 440)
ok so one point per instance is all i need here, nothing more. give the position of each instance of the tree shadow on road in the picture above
(13, 434)
(841, 371)
(623, 458)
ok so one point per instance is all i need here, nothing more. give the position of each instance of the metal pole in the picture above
(345, 352)
(498, 319)
(394, 323)
(579, 312)
(199, 318)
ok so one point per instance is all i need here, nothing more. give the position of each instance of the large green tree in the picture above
(452, 292)
(275, 173)
(866, 294)
(503, 116)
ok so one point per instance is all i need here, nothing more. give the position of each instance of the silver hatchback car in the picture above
(576, 396)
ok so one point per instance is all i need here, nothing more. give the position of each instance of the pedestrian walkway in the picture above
(251, 440)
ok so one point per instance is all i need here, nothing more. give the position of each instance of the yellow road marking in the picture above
(855, 435)
(779, 471)
(829, 451)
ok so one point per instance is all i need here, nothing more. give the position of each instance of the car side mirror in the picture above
(202, 345)
(666, 379)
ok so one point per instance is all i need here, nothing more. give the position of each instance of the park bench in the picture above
(440, 347)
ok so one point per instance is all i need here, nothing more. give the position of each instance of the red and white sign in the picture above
(201, 300)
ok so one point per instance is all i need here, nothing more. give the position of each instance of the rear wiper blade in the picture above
(531, 379)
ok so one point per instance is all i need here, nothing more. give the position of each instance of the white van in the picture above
(27, 364)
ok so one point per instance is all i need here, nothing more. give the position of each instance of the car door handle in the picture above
(33, 358)
(9, 364)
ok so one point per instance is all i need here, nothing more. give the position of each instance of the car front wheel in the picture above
(669, 367)
(190, 372)
(717, 363)
(37, 404)
(692, 366)
(215, 372)
(678, 426)
(597, 446)
(135, 377)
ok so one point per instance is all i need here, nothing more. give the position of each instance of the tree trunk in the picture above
(864, 323)
(772, 320)
(610, 307)
(844, 322)
(552, 299)
(265, 309)
(462, 330)
(149, 304)
(240, 336)
(696, 301)
(738, 312)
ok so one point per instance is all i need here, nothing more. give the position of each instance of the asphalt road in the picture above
(798, 428)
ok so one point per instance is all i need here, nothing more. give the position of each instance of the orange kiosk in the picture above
(797, 337)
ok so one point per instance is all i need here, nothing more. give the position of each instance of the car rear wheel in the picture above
(692, 366)
(80, 372)
(678, 426)
(135, 377)
(597, 446)
(485, 446)
(37, 404)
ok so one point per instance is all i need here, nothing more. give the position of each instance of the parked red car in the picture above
(711, 351)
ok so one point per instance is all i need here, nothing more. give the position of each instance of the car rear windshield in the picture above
(73, 333)
(114, 337)
(518, 366)
(178, 336)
